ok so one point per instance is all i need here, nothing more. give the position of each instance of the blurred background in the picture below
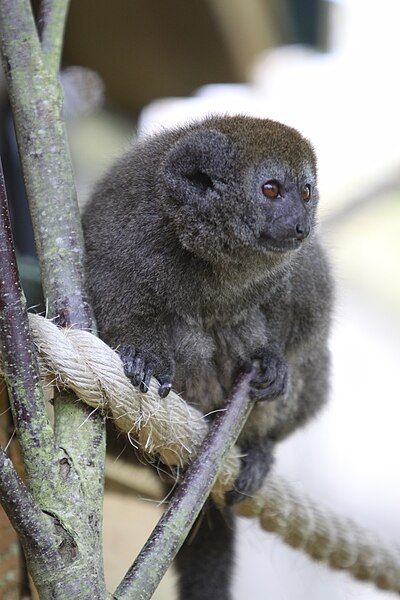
(330, 69)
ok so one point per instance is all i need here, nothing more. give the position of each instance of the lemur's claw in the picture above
(140, 366)
(271, 378)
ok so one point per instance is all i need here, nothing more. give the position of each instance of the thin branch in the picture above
(20, 365)
(156, 556)
(51, 24)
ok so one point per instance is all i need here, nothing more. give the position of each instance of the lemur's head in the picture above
(240, 184)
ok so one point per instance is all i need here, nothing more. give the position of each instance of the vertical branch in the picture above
(20, 366)
(171, 531)
(35, 97)
(36, 101)
(51, 24)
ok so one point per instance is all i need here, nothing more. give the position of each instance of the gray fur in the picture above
(195, 272)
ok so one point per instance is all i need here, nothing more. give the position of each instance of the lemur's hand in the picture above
(140, 365)
(271, 378)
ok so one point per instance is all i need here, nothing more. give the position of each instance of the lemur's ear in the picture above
(197, 162)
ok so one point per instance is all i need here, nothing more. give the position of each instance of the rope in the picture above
(173, 430)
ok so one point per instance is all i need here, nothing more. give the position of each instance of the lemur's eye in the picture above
(271, 189)
(306, 193)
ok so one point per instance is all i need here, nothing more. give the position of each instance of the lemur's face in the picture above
(285, 202)
(229, 193)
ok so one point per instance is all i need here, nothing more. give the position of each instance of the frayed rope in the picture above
(173, 430)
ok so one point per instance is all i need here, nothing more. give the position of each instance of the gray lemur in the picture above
(203, 255)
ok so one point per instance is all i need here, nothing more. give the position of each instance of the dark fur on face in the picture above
(212, 181)
(203, 254)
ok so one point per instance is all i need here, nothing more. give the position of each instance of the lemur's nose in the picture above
(302, 231)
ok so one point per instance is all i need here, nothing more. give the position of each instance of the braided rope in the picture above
(174, 431)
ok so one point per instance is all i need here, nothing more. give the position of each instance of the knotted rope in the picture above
(174, 431)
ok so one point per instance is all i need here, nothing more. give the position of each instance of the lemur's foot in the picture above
(256, 463)
(140, 366)
(271, 378)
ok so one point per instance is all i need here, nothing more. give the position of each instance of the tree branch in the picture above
(51, 24)
(35, 529)
(36, 101)
(20, 367)
(51, 551)
(35, 97)
(168, 536)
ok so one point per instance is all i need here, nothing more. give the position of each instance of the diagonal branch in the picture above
(171, 531)
(51, 24)
(35, 529)
(20, 365)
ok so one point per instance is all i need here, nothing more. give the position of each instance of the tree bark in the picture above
(72, 494)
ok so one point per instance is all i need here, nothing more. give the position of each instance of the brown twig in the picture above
(156, 556)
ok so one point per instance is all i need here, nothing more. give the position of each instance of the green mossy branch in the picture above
(51, 24)
(36, 530)
(36, 101)
(75, 502)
